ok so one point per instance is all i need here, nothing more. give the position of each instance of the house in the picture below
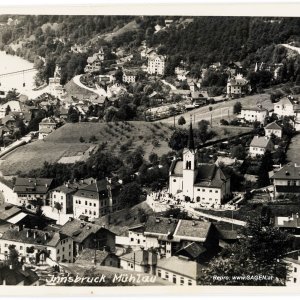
(168, 22)
(140, 261)
(237, 86)
(136, 236)
(290, 224)
(273, 128)
(20, 276)
(47, 126)
(178, 270)
(88, 235)
(199, 183)
(156, 64)
(55, 88)
(35, 245)
(293, 265)
(287, 180)
(10, 106)
(32, 189)
(235, 68)
(94, 62)
(79, 49)
(129, 76)
(259, 145)
(96, 257)
(96, 199)
(254, 114)
(284, 107)
(63, 194)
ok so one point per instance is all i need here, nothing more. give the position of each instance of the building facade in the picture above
(256, 114)
(259, 145)
(273, 128)
(156, 64)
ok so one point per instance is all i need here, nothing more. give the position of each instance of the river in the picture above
(13, 63)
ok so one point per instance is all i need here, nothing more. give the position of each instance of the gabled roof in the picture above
(17, 276)
(209, 175)
(193, 250)
(32, 185)
(180, 266)
(94, 190)
(256, 108)
(284, 101)
(8, 210)
(160, 226)
(79, 230)
(260, 141)
(192, 230)
(273, 125)
(290, 171)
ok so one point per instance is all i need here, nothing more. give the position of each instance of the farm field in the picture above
(65, 142)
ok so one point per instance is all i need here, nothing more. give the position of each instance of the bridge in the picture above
(17, 72)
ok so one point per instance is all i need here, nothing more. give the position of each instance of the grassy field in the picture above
(65, 142)
(74, 90)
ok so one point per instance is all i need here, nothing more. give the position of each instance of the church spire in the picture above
(191, 144)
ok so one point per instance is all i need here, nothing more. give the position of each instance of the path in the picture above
(297, 49)
(173, 88)
(294, 149)
(77, 81)
(22, 141)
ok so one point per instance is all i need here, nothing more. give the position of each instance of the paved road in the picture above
(173, 88)
(77, 81)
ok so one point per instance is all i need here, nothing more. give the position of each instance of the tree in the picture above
(73, 115)
(181, 121)
(263, 171)
(153, 158)
(13, 256)
(237, 108)
(238, 152)
(7, 110)
(58, 207)
(130, 194)
(178, 139)
(259, 252)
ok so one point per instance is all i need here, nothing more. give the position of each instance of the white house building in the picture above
(204, 183)
(237, 86)
(293, 265)
(156, 64)
(254, 114)
(259, 145)
(35, 245)
(284, 107)
(273, 128)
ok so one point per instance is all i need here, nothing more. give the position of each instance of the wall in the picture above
(9, 195)
(174, 278)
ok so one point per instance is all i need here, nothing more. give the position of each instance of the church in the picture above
(197, 182)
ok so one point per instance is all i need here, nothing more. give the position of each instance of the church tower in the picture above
(190, 165)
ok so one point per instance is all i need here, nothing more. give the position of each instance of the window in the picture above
(216, 191)
(174, 278)
(63, 248)
(198, 190)
(167, 275)
(203, 190)
(295, 269)
(174, 180)
(190, 282)
(94, 204)
(295, 280)
(85, 202)
(210, 191)
(21, 247)
(159, 273)
(57, 251)
(181, 280)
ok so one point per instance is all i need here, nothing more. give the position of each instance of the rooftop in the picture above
(290, 171)
(32, 185)
(160, 226)
(79, 230)
(260, 141)
(273, 125)
(180, 266)
(192, 230)
(17, 276)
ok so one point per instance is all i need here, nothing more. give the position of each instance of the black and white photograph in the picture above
(149, 150)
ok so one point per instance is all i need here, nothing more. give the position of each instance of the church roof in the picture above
(209, 175)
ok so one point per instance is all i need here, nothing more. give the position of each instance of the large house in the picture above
(88, 236)
(284, 107)
(287, 180)
(237, 86)
(94, 62)
(259, 145)
(35, 245)
(273, 128)
(293, 265)
(254, 114)
(204, 183)
(96, 199)
(31, 189)
(178, 270)
(47, 126)
(129, 76)
(172, 236)
(156, 64)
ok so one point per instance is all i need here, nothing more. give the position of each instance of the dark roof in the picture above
(16, 276)
(209, 175)
(192, 230)
(94, 190)
(289, 171)
(8, 210)
(193, 250)
(32, 185)
(79, 230)
(273, 125)
(288, 222)
(40, 238)
(226, 234)
(257, 108)
(160, 226)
